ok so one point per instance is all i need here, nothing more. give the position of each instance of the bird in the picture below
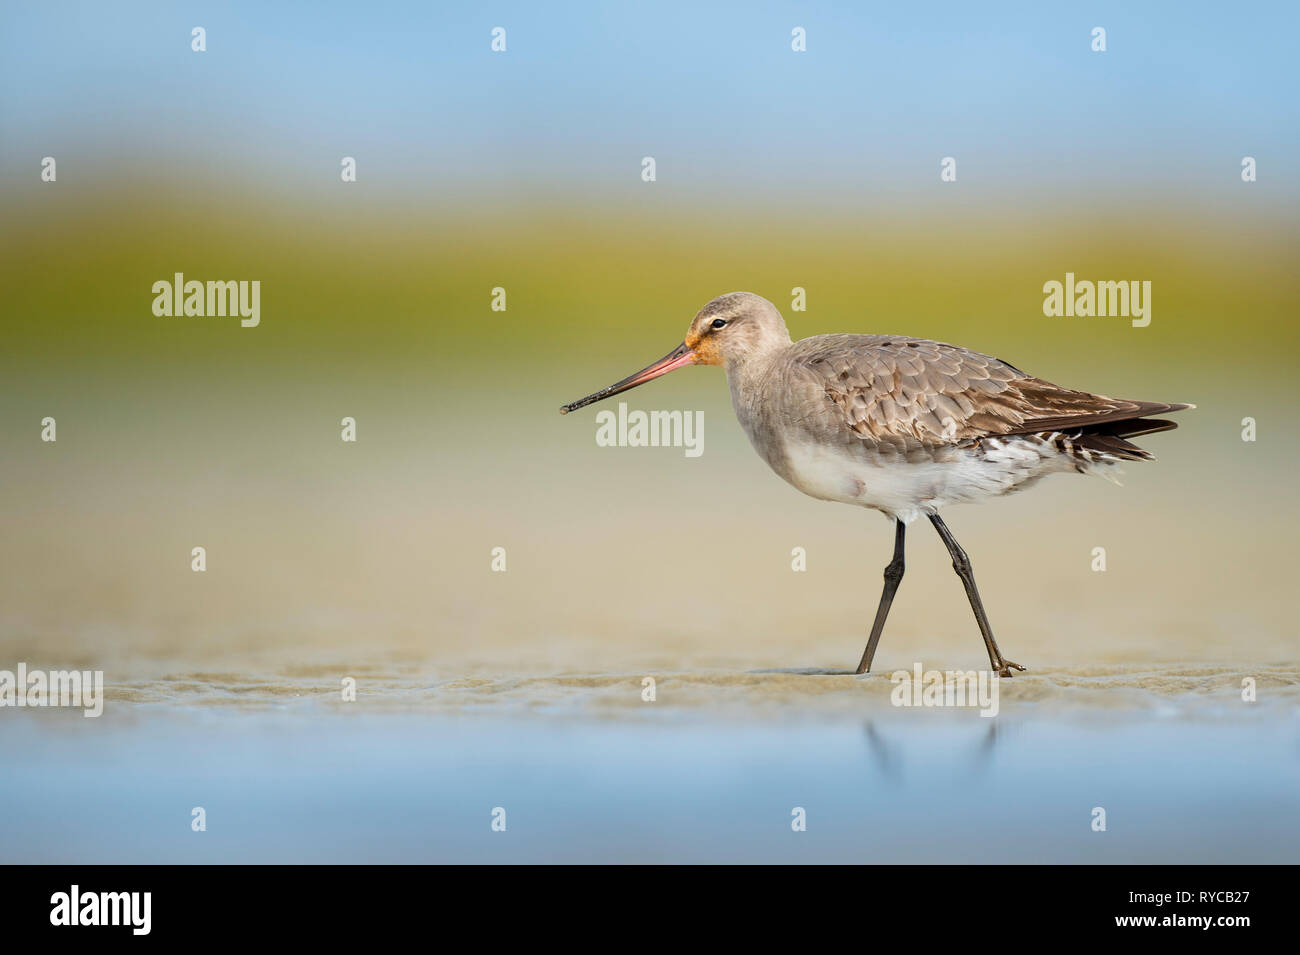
(904, 426)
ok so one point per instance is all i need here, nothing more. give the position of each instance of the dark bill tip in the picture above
(677, 358)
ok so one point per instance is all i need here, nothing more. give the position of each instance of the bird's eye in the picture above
(719, 322)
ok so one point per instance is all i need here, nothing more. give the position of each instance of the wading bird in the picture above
(902, 425)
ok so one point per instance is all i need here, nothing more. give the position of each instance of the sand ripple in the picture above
(1206, 690)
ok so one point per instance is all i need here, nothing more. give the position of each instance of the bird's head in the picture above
(735, 327)
(728, 331)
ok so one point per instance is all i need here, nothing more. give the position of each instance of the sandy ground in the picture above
(1133, 691)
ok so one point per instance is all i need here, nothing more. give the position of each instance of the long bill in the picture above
(677, 358)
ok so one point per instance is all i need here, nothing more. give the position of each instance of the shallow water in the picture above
(710, 771)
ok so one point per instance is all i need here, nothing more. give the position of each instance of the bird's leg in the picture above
(961, 564)
(893, 574)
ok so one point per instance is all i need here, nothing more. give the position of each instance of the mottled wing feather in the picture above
(909, 391)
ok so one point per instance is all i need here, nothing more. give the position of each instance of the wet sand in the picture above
(1137, 692)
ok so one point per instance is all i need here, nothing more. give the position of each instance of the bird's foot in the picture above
(1007, 667)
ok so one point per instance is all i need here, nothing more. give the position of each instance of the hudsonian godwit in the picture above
(902, 425)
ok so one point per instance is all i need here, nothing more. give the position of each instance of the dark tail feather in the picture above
(1109, 438)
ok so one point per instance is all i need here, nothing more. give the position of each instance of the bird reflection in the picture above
(888, 754)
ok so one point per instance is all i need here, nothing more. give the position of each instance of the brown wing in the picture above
(914, 390)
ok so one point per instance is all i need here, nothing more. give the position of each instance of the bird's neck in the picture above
(746, 368)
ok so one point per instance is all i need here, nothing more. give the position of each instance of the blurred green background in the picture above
(524, 173)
